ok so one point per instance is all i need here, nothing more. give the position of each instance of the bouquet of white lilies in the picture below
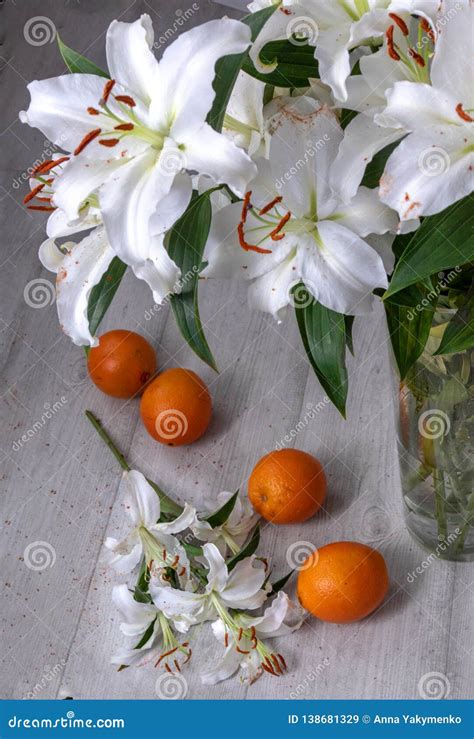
(321, 150)
(210, 573)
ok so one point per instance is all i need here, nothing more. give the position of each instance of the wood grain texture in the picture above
(62, 487)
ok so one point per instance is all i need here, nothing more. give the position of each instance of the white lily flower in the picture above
(244, 119)
(244, 643)
(345, 24)
(334, 28)
(232, 533)
(152, 630)
(433, 166)
(131, 138)
(292, 228)
(148, 538)
(242, 588)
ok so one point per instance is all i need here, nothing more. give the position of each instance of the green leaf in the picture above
(348, 323)
(323, 333)
(279, 584)
(140, 592)
(228, 68)
(75, 62)
(248, 549)
(459, 334)
(409, 327)
(295, 64)
(223, 513)
(443, 241)
(186, 241)
(375, 168)
(102, 294)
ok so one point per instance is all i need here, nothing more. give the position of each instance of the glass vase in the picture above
(436, 440)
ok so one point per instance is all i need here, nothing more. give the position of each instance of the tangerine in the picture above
(343, 582)
(122, 363)
(176, 407)
(287, 486)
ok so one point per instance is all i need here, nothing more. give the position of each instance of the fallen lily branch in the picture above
(192, 569)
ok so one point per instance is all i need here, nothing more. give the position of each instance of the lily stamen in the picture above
(249, 247)
(87, 140)
(106, 92)
(93, 111)
(48, 165)
(126, 100)
(416, 57)
(33, 193)
(270, 205)
(46, 208)
(392, 52)
(124, 127)
(462, 114)
(109, 142)
(426, 27)
(400, 23)
(275, 235)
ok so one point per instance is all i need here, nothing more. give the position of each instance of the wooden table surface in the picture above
(62, 487)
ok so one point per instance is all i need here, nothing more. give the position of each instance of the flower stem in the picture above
(439, 504)
(167, 504)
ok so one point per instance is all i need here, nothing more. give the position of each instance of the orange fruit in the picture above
(343, 582)
(176, 407)
(287, 486)
(122, 364)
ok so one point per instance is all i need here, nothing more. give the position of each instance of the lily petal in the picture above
(143, 504)
(81, 269)
(243, 588)
(428, 171)
(218, 575)
(186, 73)
(213, 154)
(59, 107)
(363, 138)
(365, 214)
(130, 57)
(342, 270)
(137, 616)
(128, 200)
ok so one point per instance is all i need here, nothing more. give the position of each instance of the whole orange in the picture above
(343, 582)
(176, 407)
(287, 486)
(122, 364)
